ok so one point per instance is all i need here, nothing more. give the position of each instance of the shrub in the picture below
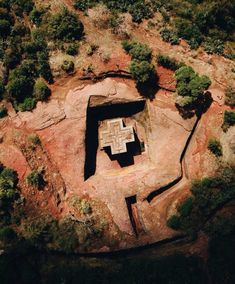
(68, 66)
(35, 179)
(5, 28)
(2, 89)
(19, 30)
(168, 62)
(174, 222)
(137, 50)
(7, 234)
(36, 16)
(184, 101)
(140, 11)
(99, 16)
(186, 207)
(25, 5)
(3, 112)
(72, 49)
(85, 207)
(169, 36)
(190, 32)
(41, 92)
(215, 147)
(8, 193)
(27, 105)
(229, 120)
(229, 96)
(141, 52)
(214, 46)
(209, 194)
(44, 68)
(121, 25)
(20, 87)
(11, 58)
(33, 138)
(65, 26)
(83, 5)
(185, 74)
(127, 45)
(142, 71)
(190, 86)
(91, 49)
(25, 69)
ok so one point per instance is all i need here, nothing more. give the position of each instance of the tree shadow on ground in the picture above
(149, 88)
(200, 106)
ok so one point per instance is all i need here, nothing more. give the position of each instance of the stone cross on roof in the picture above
(112, 133)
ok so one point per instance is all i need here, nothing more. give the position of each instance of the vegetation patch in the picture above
(208, 195)
(35, 179)
(229, 120)
(190, 89)
(167, 62)
(215, 147)
(230, 96)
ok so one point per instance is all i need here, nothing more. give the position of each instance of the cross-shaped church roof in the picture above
(114, 134)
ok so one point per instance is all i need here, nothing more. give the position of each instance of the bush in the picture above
(142, 71)
(36, 16)
(65, 26)
(169, 36)
(8, 192)
(27, 105)
(25, 5)
(72, 49)
(85, 207)
(34, 139)
(44, 68)
(229, 96)
(68, 66)
(190, 32)
(141, 52)
(3, 112)
(137, 50)
(83, 5)
(41, 92)
(5, 28)
(229, 120)
(209, 195)
(214, 46)
(20, 87)
(174, 222)
(7, 234)
(215, 147)
(2, 89)
(168, 62)
(91, 49)
(140, 11)
(11, 58)
(190, 86)
(35, 179)
(186, 207)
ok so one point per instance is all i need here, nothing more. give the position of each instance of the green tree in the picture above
(35, 179)
(215, 147)
(65, 26)
(229, 120)
(142, 71)
(5, 28)
(41, 92)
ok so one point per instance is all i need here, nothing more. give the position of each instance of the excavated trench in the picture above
(100, 113)
(160, 190)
